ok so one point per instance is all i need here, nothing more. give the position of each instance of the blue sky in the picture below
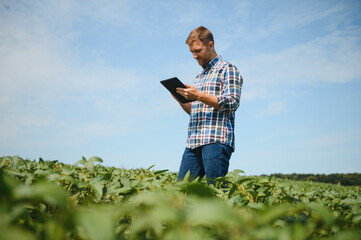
(81, 78)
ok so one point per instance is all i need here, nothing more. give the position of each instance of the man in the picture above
(217, 93)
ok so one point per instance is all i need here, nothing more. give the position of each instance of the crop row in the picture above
(51, 200)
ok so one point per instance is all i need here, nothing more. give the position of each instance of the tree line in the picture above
(345, 179)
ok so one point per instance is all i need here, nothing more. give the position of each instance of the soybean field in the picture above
(51, 200)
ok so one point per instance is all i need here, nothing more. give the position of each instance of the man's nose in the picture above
(195, 56)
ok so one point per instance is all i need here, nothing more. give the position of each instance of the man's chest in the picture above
(210, 82)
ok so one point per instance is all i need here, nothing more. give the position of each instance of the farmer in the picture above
(217, 92)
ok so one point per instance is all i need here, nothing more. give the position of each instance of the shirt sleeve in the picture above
(231, 89)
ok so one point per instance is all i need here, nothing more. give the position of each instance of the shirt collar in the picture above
(213, 62)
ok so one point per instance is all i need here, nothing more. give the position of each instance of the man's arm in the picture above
(231, 90)
(191, 93)
(186, 106)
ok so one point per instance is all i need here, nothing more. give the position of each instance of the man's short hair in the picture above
(201, 33)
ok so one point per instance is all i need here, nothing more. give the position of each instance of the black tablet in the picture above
(171, 84)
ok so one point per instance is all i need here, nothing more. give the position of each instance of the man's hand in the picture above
(190, 93)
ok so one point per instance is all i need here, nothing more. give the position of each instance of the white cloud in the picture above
(257, 20)
(294, 14)
(42, 81)
(334, 58)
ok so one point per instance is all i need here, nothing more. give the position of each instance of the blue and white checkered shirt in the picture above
(207, 124)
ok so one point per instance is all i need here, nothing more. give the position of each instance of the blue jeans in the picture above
(211, 160)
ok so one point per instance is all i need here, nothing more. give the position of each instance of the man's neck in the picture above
(213, 55)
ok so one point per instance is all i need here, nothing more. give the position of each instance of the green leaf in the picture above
(16, 233)
(81, 161)
(199, 189)
(98, 223)
(319, 212)
(43, 191)
(256, 206)
(276, 212)
(212, 211)
(348, 235)
(98, 190)
(148, 169)
(161, 172)
(16, 162)
(95, 159)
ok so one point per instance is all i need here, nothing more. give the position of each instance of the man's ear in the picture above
(211, 45)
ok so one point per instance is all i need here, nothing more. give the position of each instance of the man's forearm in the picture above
(192, 93)
(209, 100)
(186, 107)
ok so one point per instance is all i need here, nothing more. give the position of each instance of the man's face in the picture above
(202, 53)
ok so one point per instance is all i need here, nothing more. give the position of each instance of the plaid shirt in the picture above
(207, 124)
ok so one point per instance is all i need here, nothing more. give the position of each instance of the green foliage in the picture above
(52, 200)
(349, 179)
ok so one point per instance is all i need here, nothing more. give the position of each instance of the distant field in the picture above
(51, 200)
(348, 179)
